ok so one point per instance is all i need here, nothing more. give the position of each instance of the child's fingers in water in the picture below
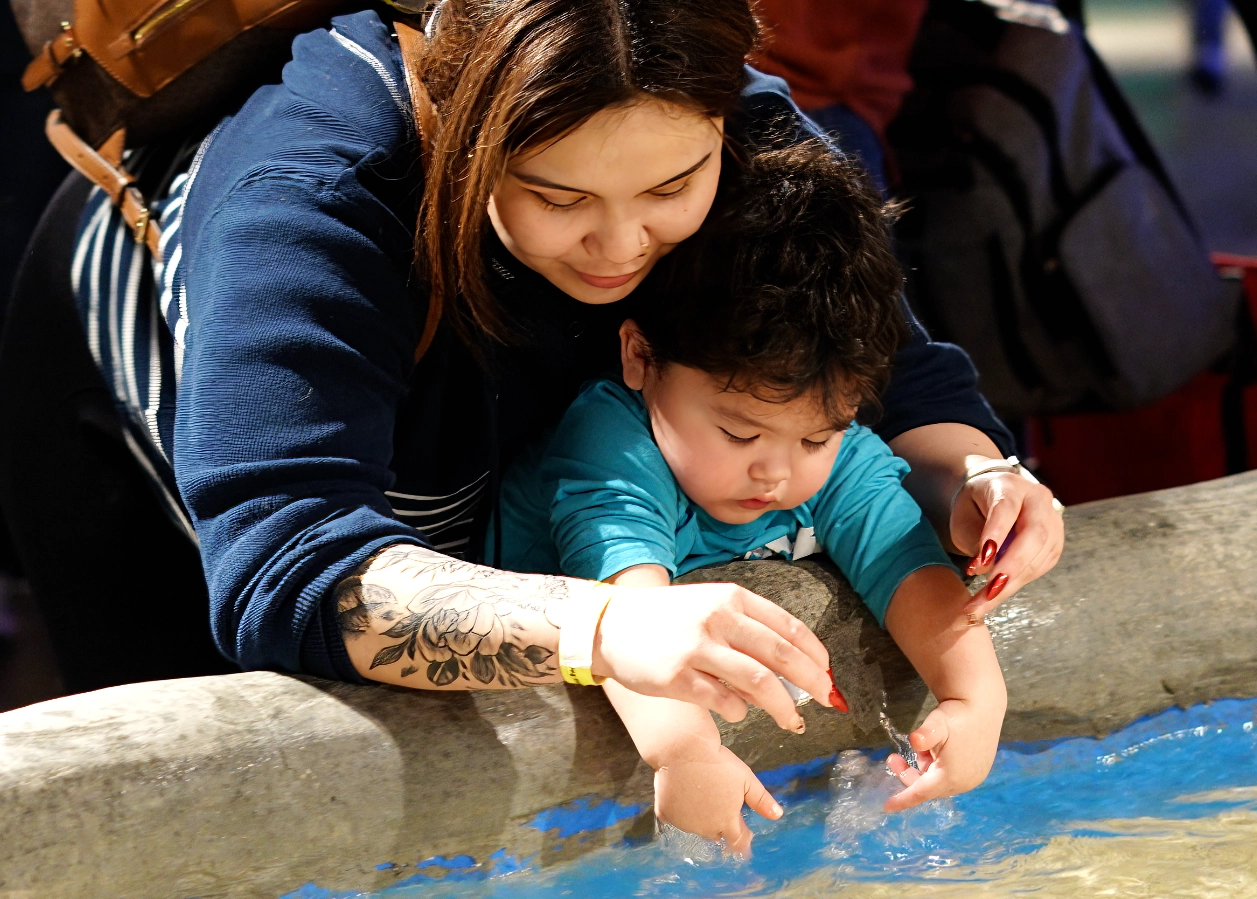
(923, 788)
(738, 838)
(900, 768)
(760, 800)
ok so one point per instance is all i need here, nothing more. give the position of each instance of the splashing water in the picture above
(689, 848)
(902, 746)
(858, 827)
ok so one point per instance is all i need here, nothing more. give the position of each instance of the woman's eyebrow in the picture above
(538, 181)
(690, 171)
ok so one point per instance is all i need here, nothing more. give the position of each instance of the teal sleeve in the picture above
(616, 503)
(869, 525)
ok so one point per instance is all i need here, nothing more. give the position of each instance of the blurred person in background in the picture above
(847, 66)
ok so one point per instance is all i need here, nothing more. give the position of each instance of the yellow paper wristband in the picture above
(581, 617)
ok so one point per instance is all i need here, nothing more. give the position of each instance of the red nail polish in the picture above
(988, 553)
(996, 586)
(838, 701)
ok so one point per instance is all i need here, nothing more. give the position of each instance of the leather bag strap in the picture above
(109, 176)
(414, 47)
(46, 67)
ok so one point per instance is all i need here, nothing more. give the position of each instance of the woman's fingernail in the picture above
(987, 556)
(800, 727)
(837, 700)
(996, 586)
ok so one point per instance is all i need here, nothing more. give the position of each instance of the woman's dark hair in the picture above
(512, 75)
(790, 286)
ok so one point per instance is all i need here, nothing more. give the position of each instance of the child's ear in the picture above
(634, 355)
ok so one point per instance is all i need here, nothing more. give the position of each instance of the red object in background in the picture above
(857, 57)
(1170, 443)
(1179, 440)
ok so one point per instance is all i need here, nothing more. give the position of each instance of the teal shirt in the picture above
(599, 498)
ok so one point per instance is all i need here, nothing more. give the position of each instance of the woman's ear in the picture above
(634, 355)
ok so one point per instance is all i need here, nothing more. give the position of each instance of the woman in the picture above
(339, 490)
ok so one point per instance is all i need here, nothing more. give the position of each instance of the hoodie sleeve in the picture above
(297, 349)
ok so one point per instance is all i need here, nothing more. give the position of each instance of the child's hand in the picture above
(702, 793)
(955, 748)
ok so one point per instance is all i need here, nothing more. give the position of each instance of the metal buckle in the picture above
(141, 225)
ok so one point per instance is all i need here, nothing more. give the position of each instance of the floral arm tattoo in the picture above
(415, 617)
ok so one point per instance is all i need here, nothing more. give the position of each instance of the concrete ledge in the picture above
(253, 784)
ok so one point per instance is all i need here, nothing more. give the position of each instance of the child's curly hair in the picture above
(790, 286)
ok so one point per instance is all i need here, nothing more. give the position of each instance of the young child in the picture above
(731, 436)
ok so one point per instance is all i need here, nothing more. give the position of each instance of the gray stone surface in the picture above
(253, 784)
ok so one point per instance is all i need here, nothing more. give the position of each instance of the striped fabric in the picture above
(134, 313)
(446, 521)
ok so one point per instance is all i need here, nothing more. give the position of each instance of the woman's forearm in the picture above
(414, 617)
(940, 455)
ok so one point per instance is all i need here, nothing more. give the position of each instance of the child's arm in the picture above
(700, 785)
(956, 743)
(878, 536)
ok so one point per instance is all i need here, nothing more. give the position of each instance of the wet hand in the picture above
(1004, 509)
(703, 793)
(715, 645)
(955, 748)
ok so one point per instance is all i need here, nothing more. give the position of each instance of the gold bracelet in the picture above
(581, 617)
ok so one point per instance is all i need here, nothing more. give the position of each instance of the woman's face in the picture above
(595, 211)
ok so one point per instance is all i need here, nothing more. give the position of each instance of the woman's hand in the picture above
(715, 645)
(978, 516)
(955, 748)
(703, 792)
(1004, 509)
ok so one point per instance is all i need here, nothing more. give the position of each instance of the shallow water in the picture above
(1166, 807)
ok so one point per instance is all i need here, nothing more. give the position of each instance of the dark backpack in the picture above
(1042, 233)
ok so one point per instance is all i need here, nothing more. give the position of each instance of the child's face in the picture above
(736, 456)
